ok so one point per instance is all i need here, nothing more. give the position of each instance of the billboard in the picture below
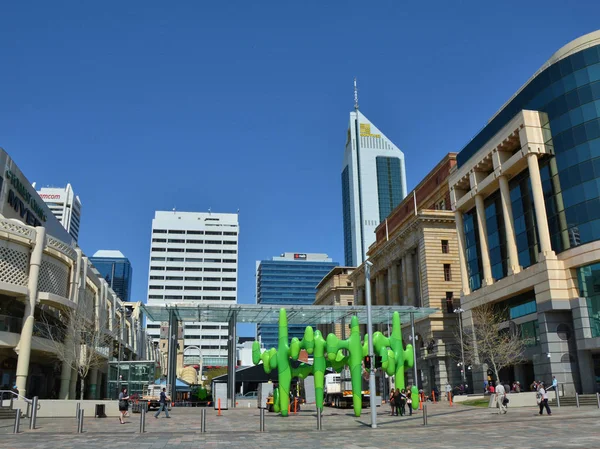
(20, 201)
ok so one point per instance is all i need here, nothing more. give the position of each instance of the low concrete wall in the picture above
(525, 399)
(53, 408)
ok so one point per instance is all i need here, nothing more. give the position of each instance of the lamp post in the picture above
(459, 311)
(372, 390)
(120, 337)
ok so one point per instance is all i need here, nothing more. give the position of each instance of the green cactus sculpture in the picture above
(280, 359)
(354, 360)
(394, 358)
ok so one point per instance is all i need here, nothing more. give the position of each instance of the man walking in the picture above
(500, 396)
(543, 396)
(163, 404)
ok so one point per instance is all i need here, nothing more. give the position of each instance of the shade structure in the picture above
(259, 314)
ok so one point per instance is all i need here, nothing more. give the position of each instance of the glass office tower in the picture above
(116, 269)
(289, 280)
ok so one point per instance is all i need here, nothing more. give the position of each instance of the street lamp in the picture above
(459, 311)
(372, 392)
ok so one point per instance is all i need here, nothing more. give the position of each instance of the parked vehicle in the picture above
(338, 390)
(248, 395)
(151, 397)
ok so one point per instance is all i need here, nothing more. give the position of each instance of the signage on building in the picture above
(300, 256)
(51, 196)
(20, 201)
(365, 131)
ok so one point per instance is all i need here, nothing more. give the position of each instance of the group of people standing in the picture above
(399, 399)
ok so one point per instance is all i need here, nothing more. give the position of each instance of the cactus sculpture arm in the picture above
(354, 347)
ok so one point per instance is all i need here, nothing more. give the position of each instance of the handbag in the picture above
(123, 403)
(505, 401)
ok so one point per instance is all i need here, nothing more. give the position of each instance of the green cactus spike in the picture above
(395, 359)
(354, 359)
(280, 358)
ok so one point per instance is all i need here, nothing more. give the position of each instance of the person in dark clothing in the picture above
(123, 404)
(397, 401)
(409, 400)
(402, 402)
(163, 404)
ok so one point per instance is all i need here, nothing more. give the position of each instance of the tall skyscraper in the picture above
(373, 184)
(116, 269)
(194, 260)
(288, 280)
(65, 205)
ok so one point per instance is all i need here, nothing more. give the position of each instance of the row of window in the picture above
(191, 278)
(177, 231)
(188, 287)
(193, 250)
(193, 297)
(198, 260)
(205, 242)
(205, 269)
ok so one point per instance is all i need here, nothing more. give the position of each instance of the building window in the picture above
(445, 247)
(447, 272)
(449, 305)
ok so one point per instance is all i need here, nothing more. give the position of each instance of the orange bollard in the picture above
(450, 398)
(433, 396)
(420, 401)
(219, 405)
(295, 405)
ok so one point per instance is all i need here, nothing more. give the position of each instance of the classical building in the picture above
(526, 196)
(335, 289)
(415, 263)
(42, 276)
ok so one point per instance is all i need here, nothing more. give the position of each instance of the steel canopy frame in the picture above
(260, 314)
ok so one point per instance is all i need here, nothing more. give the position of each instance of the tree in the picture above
(80, 338)
(492, 340)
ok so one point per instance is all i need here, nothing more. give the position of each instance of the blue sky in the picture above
(147, 105)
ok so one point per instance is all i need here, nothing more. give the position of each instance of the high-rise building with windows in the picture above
(288, 280)
(116, 269)
(193, 259)
(373, 183)
(65, 205)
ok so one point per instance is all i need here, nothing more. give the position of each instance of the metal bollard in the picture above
(577, 399)
(425, 414)
(262, 419)
(17, 421)
(142, 420)
(77, 409)
(319, 419)
(33, 417)
(203, 420)
(598, 399)
(557, 397)
(80, 421)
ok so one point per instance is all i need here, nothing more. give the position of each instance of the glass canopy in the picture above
(259, 314)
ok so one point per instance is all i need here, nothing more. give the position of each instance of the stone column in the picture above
(483, 243)
(509, 227)
(380, 290)
(540, 206)
(464, 271)
(410, 279)
(24, 345)
(394, 287)
(73, 384)
(65, 374)
(361, 297)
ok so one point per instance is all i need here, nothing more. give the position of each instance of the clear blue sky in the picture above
(149, 105)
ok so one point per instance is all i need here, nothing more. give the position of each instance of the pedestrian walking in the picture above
(123, 404)
(163, 404)
(501, 399)
(403, 403)
(397, 403)
(409, 400)
(542, 396)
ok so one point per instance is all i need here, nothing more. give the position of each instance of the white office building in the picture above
(65, 206)
(194, 260)
(373, 184)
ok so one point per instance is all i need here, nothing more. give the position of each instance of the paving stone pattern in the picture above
(448, 427)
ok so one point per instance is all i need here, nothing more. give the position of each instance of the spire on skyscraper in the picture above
(355, 95)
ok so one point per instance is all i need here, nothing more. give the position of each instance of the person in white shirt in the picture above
(543, 396)
(500, 395)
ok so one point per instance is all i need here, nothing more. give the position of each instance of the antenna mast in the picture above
(355, 95)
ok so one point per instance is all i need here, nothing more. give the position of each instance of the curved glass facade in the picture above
(569, 93)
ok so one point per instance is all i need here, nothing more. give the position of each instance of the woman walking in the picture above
(397, 403)
(123, 404)
(543, 396)
(409, 400)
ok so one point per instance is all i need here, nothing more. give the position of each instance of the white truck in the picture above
(338, 390)
(152, 396)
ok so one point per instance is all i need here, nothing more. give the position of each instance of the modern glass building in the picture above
(288, 280)
(373, 184)
(526, 194)
(116, 269)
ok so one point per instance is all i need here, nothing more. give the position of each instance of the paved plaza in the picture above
(448, 427)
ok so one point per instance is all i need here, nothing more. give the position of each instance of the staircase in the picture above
(7, 413)
(585, 400)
